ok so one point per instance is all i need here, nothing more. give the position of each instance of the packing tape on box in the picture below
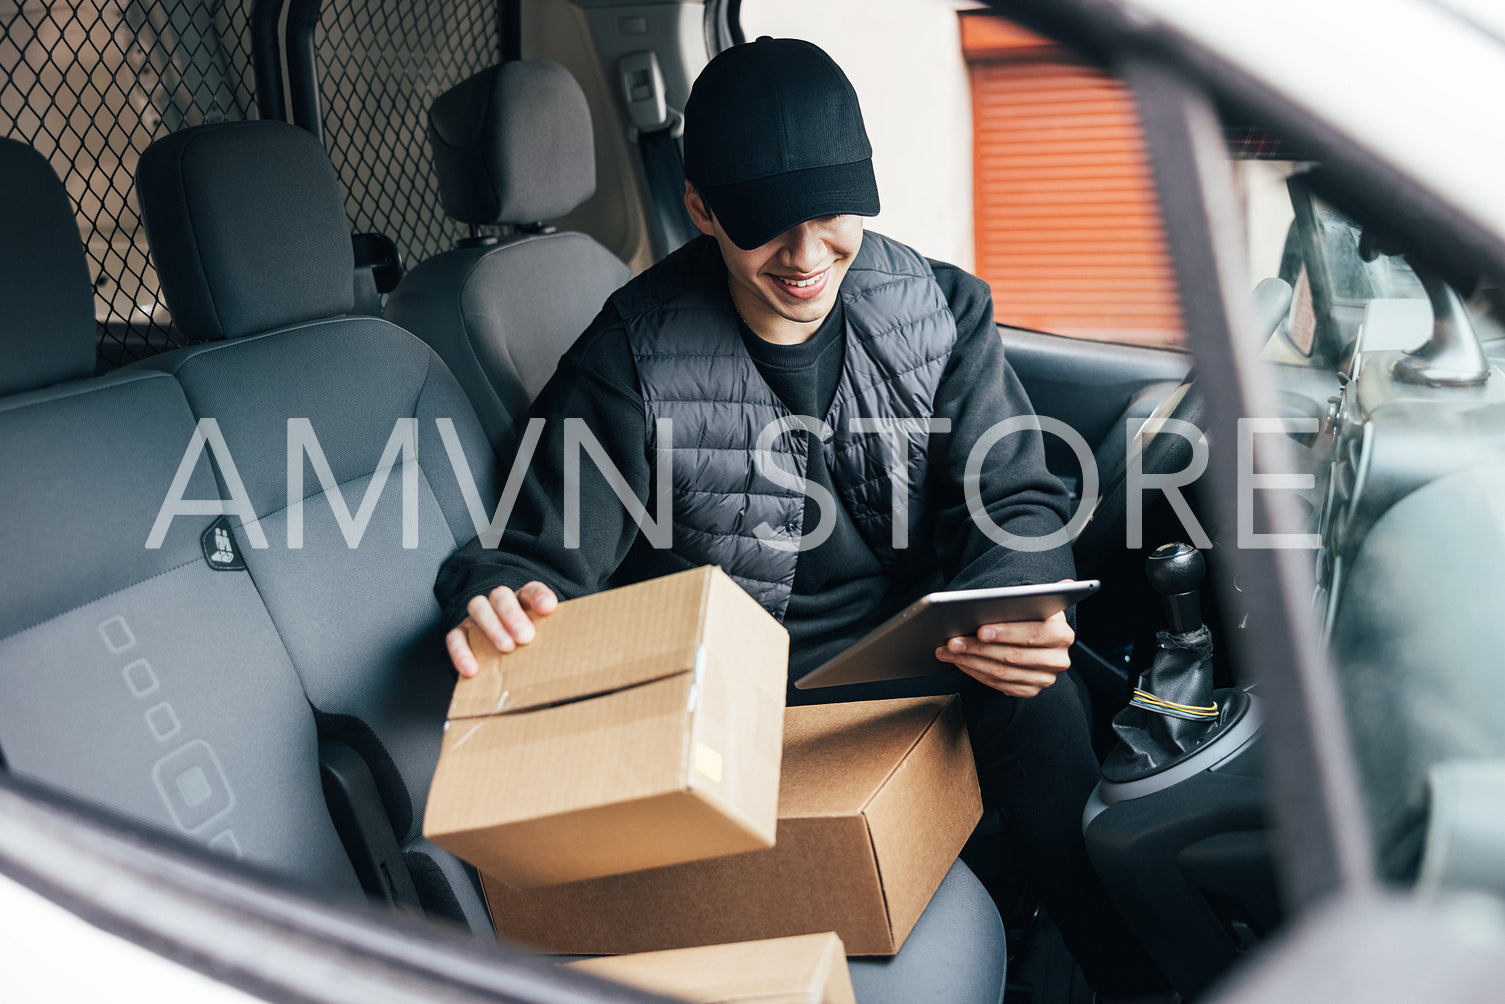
(693, 704)
(708, 762)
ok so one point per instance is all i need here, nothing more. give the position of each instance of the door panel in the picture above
(1091, 386)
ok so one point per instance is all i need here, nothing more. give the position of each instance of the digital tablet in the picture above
(905, 644)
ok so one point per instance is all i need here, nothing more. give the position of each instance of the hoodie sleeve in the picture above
(596, 385)
(1021, 502)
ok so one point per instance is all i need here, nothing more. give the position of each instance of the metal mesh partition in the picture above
(90, 84)
(381, 64)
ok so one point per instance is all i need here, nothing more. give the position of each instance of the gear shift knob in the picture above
(1176, 572)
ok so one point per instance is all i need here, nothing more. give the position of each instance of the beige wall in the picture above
(1267, 212)
(904, 58)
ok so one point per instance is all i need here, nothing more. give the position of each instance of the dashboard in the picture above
(1388, 437)
(1410, 572)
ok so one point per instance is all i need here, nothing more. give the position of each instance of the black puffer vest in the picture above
(693, 368)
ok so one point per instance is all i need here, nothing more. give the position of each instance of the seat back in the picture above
(512, 145)
(135, 671)
(341, 434)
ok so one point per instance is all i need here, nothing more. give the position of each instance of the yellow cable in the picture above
(1191, 709)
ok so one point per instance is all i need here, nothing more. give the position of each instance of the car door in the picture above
(1001, 152)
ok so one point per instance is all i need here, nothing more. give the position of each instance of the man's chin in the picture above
(806, 311)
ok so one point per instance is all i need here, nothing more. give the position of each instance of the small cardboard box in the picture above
(810, 969)
(875, 801)
(640, 728)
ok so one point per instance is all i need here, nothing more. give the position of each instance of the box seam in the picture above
(867, 802)
(686, 757)
(567, 812)
(828, 961)
(580, 699)
(888, 913)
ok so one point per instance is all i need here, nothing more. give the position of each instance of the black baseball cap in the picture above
(774, 137)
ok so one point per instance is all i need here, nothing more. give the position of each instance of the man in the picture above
(787, 362)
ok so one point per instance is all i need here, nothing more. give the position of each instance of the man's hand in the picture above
(503, 617)
(1019, 659)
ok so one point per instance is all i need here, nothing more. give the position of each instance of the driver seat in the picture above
(513, 146)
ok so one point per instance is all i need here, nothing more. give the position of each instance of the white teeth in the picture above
(801, 283)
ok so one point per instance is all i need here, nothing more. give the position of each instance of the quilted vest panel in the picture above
(694, 370)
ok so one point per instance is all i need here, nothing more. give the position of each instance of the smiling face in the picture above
(784, 289)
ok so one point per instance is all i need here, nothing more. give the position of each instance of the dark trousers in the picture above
(1035, 763)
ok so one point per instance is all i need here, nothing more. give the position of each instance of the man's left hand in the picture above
(1020, 659)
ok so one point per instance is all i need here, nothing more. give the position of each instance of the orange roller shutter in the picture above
(1068, 228)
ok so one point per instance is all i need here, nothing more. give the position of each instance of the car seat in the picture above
(512, 145)
(136, 673)
(353, 450)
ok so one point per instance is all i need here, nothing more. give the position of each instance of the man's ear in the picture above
(700, 215)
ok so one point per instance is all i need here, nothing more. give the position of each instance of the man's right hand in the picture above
(503, 617)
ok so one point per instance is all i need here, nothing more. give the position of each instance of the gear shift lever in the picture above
(1174, 710)
(1176, 571)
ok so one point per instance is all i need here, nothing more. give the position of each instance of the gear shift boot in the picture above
(1174, 710)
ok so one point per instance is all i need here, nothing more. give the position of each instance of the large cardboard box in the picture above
(810, 969)
(640, 728)
(875, 801)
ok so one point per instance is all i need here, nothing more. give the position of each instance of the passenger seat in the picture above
(511, 145)
(249, 236)
(146, 679)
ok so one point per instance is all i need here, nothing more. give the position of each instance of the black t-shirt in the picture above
(805, 377)
(839, 583)
(839, 590)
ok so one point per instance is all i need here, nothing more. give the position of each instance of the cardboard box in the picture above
(876, 800)
(640, 728)
(811, 969)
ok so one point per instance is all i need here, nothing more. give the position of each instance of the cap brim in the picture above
(755, 212)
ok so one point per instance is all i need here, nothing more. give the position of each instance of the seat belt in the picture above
(656, 129)
(664, 165)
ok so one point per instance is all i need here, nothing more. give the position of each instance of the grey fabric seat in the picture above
(249, 236)
(956, 953)
(138, 677)
(511, 145)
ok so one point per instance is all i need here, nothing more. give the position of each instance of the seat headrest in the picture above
(513, 144)
(47, 332)
(247, 228)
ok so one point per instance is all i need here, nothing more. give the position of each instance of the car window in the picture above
(1348, 291)
(1389, 443)
(90, 85)
(1007, 154)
